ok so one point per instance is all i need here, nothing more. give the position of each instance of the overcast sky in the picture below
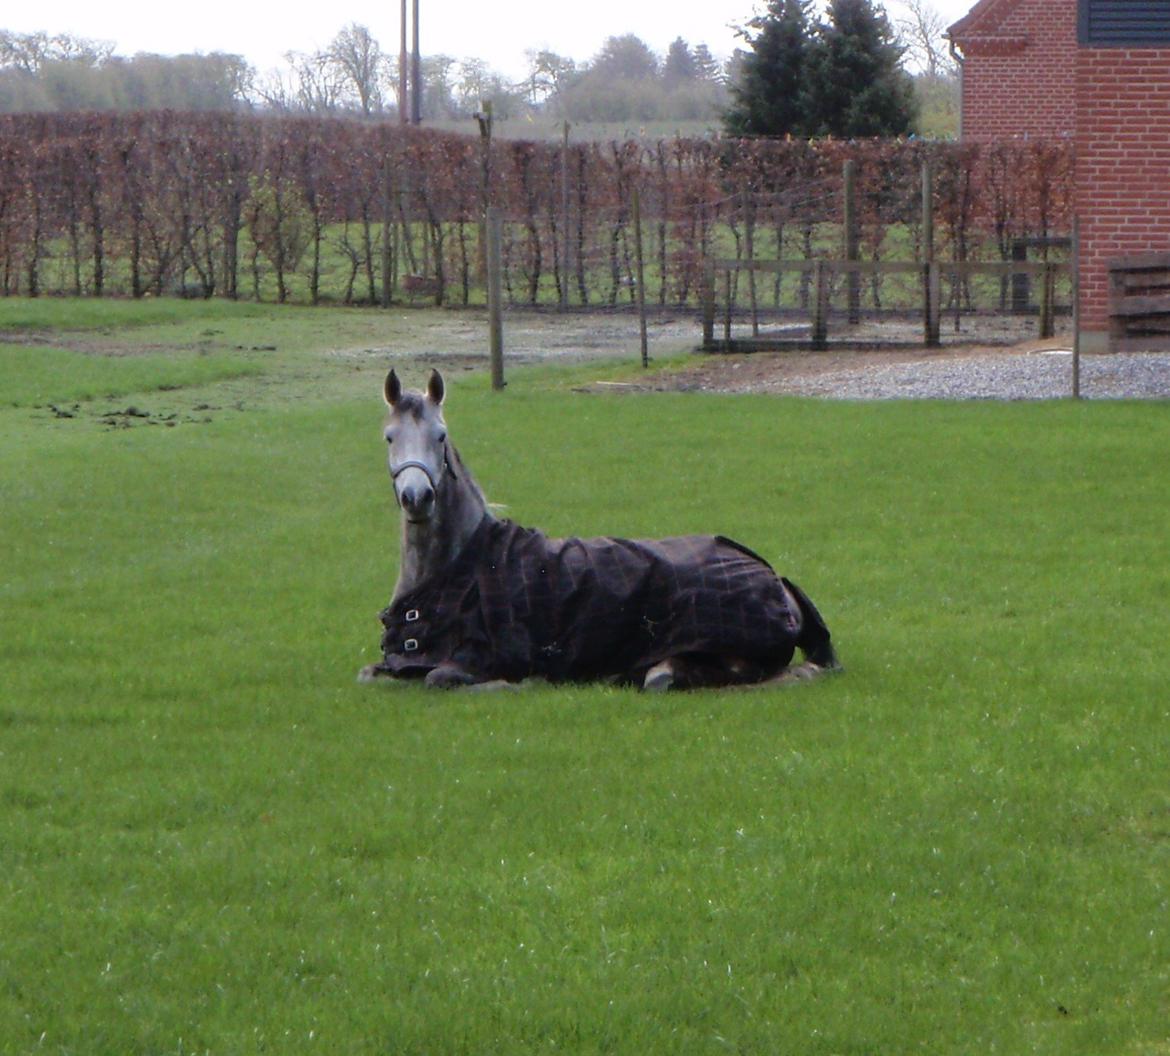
(500, 33)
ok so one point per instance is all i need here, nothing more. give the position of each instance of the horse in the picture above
(481, 601)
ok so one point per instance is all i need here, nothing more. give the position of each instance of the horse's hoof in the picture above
(659, 678)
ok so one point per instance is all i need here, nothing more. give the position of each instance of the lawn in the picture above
(213, 840)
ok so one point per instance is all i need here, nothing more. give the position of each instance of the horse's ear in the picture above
(392, 390)
(435, 388)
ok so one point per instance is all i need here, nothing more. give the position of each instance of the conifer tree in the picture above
(770, 98)
(855, 85)
(679, 64)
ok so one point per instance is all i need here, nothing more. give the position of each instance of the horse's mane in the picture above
(463, 473)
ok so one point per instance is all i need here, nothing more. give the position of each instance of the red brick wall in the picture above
(1123, 165)
(1019, 72)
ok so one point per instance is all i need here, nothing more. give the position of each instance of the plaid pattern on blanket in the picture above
(516, 603)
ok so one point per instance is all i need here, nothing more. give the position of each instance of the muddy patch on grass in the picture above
(459, 339)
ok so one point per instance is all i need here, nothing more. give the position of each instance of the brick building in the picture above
(1097, 71)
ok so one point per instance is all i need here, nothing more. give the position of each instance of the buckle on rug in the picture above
(411, 615)
(410, 645)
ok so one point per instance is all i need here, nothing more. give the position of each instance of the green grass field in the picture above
(213, 840)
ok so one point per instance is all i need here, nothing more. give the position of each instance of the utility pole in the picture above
(415, 73)
(403, 75)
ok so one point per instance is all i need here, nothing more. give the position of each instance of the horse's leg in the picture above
(450, 675)
(374, 673)
(695, 672)
(686, 672)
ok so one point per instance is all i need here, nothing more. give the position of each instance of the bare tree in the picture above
(548, 74)
(359, 65)
(921, 31)
(313, 84)
(273, 90)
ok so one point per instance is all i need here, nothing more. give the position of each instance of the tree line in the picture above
(353, 75)
(39, 73)
(778, 84)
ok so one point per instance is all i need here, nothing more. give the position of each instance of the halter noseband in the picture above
(414, 463)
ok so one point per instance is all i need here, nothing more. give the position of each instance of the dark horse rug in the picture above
(516, 604)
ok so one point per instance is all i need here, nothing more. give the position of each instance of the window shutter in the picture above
(1129, 23)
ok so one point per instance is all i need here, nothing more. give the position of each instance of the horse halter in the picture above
(413, 463)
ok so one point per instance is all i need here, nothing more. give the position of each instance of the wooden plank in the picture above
(1135, 305)
(838, 267)
(1041, 242)
(1136, 280)
(1139, 261)
(1156, 325)
(897, 267)
(1004, 267)
(733, 263)
(1141, 344)
(881, 267)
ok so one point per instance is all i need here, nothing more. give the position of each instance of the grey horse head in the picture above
(419, 454)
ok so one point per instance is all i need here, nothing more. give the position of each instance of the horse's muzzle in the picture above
(418, 501)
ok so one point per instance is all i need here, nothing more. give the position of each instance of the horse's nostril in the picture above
(416, 498)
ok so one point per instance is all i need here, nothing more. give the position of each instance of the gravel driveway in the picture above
(1036, 370)
(1000, 376)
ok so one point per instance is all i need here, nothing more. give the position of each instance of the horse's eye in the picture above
(389, 439)
(442, 438)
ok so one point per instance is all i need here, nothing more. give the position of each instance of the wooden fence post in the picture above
(1076, 305)
(727, 295)
(387, 233)
(820, 318)
(849, 210)
(565, 215)
(640, 277)
(1021, 281)
(932, 312)
(495, 308)
(1047, 297)
(708, 306)
(749, 223)
(927, 211)
(931, 279)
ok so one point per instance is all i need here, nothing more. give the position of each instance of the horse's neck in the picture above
(429, 548)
